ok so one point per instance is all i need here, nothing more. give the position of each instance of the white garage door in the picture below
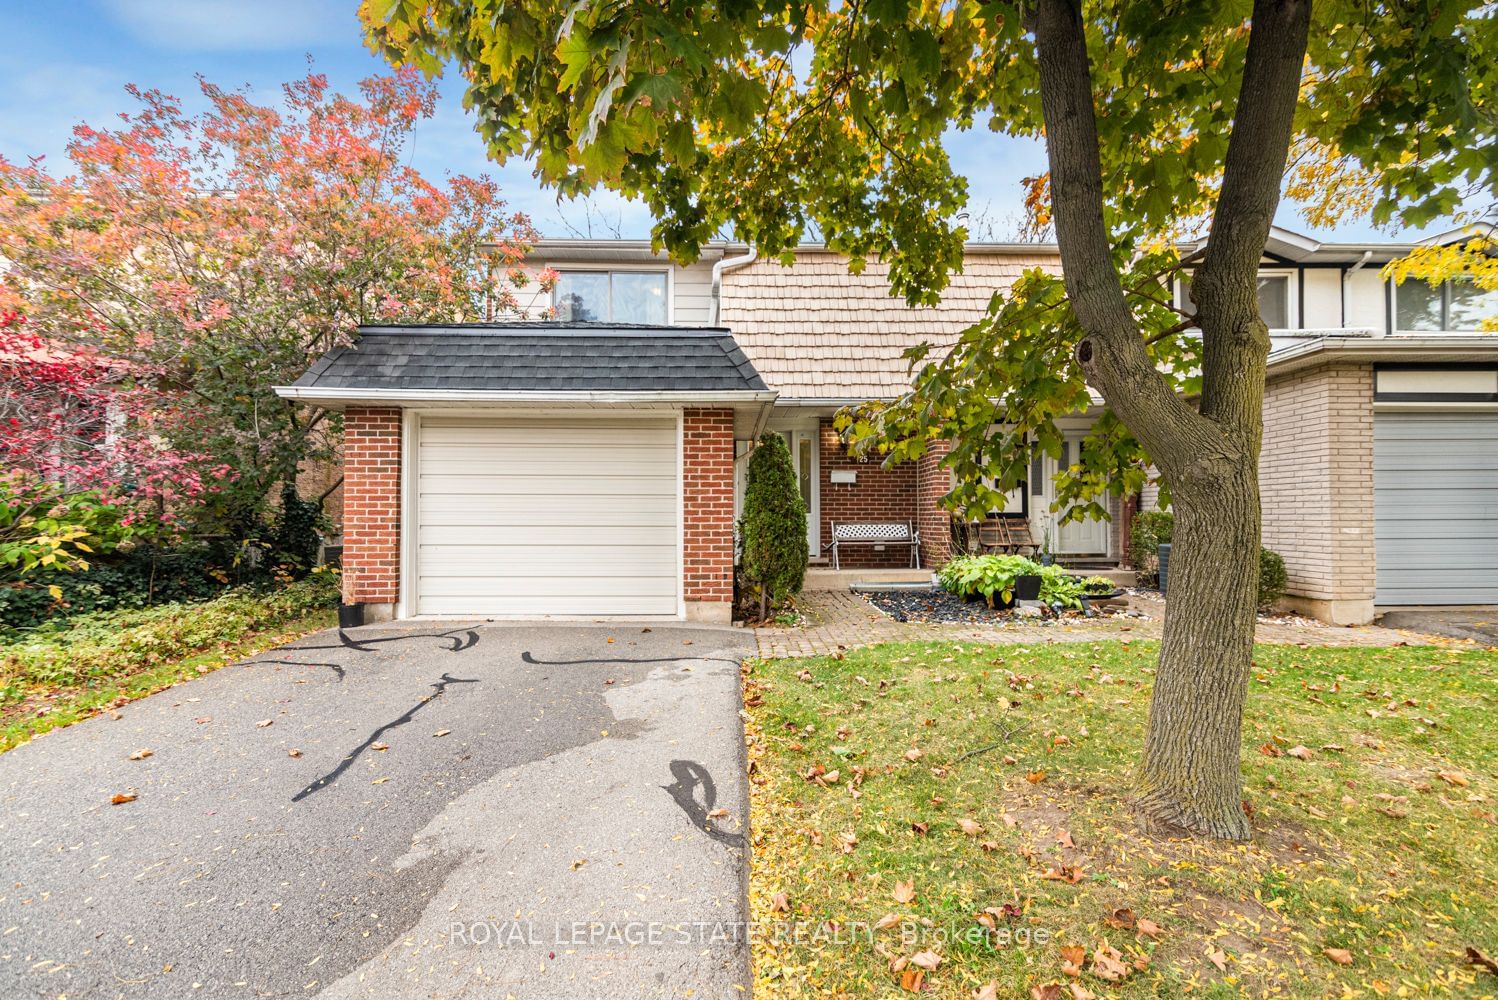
(1435, 499)
(546, 517)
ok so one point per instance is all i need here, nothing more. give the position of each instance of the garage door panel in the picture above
(563, 587)
(607, 560)
(1422, 531)
(597, 605)
(577, 539)
(1436, 507)
(560, 481)
(547, 517)
(620, 462)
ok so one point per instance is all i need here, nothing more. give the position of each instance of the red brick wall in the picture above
(932, 482)
(371, 505)
(707, 503)
(879, 495)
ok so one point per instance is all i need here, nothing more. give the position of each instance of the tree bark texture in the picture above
(1190, 778)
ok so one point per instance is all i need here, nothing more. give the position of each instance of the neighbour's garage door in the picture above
(1435, 499)
(546, 516)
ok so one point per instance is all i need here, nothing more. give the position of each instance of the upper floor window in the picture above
(1451, 306)
(611, 297)
(1274, 299)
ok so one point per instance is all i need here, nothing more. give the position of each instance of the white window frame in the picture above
(1446, 327)
(611, 270)
(1292, 296)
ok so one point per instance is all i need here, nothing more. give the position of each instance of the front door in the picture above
(1075, 538)
(803, 446)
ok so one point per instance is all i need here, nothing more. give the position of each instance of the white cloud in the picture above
(237, 25)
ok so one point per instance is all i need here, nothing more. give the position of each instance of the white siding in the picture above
(1367, 299)
(554, 516)
(1323, 298)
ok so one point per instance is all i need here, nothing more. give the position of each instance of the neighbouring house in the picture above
(591, 464)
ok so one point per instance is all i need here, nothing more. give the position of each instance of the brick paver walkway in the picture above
(840, 619)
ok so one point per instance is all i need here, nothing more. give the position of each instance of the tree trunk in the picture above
(1190, 778)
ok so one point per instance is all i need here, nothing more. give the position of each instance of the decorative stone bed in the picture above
(935, 605)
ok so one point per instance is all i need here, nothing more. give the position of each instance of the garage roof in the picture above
(544, 358)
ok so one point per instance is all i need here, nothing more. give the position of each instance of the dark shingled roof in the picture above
(538, 357)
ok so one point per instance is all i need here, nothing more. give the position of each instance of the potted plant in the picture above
(1046, 557)
(1027, 587)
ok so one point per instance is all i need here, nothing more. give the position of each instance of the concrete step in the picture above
(842, 579)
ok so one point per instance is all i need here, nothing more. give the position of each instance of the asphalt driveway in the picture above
(536, 811)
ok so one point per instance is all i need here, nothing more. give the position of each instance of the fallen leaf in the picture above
(1108, 963)
(1063, 837)
(1035, 777)
(293, 752)
(379, 746)
(264, 722)
(1148, 927)
(847, 840)
(1339, 955)
(1218, 957)
(1477, 958)
(905, 891)
(919, 828)
(579, 863)
(142, 754)
(717, 814)
(121, 798)
(1071, 874)
(1121, 919)
(913, 755)
(1080, 992)
(910, 980)
(927, 960)
(1072, 957)
(1049, 991)
(970, 827)
(442, 732)
(780, 903)
(887, 921)
(1454, 778)
(379, 781)
(988, 991)
(1299, 753)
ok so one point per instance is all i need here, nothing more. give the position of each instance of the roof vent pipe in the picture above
(726, 264)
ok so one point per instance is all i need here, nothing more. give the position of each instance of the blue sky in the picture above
(69, 61)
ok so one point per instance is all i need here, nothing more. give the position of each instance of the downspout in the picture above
(719, 269)
(1346, 274)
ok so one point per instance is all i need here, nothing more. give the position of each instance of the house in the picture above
(591, 464)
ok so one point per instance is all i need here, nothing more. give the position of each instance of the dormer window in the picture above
(611, 296)
(1450, 307)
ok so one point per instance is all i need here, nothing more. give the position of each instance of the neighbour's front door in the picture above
(1074, 538)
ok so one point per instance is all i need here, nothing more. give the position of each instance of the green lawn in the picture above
(1378, 839)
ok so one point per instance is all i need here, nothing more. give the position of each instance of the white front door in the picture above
(803, 446)
(1075, 538)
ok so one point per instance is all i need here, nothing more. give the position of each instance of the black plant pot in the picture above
(1027, 588)
(1046, 559)
(350, 615)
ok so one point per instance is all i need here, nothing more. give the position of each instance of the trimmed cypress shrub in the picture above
(774, 523)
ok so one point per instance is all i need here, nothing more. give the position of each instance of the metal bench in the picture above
(876, 533)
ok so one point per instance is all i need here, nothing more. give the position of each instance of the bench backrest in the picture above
(888, 531)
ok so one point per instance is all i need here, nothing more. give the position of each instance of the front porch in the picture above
(840, 488)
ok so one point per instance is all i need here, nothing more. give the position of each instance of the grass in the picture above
(63, 673)
(1382, 843)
